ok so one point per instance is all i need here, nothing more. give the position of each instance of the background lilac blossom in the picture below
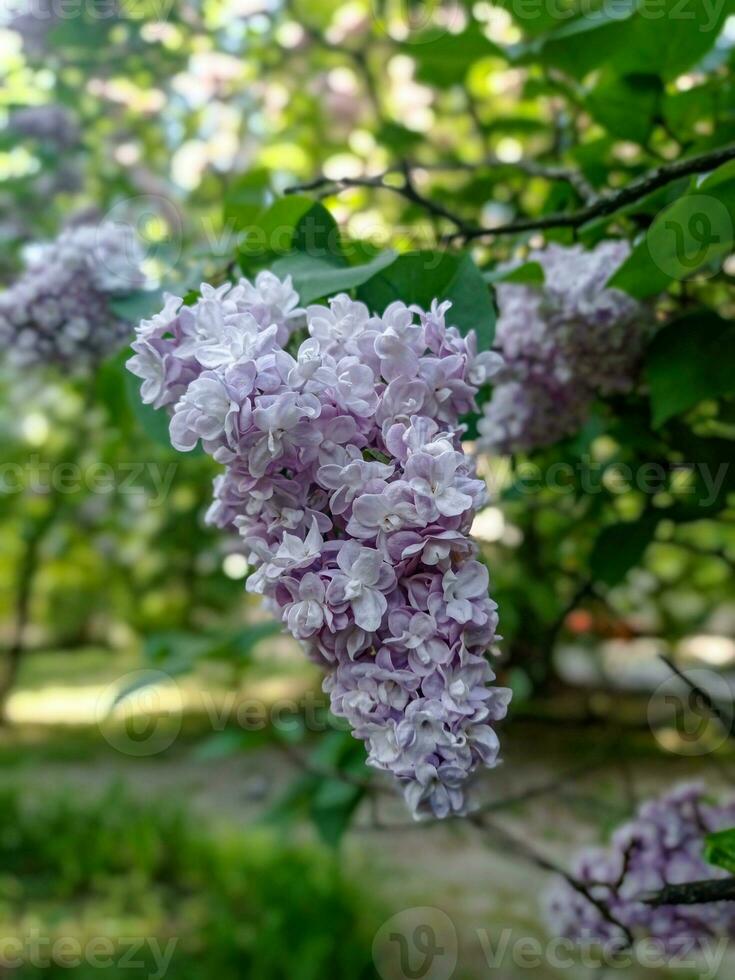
(344, 474)
(662, 845)
(58, 311)
(50, 124)
(563, 343)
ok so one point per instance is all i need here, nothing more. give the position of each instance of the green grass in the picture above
(117, 871)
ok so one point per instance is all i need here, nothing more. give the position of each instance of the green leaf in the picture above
(120, 391)
(142, 680)
(581, 43)
(445, 60)
(611, 99)
(332, 809)
(619, 547)
(222, 745)
(137, 306)
(398, 138)
(154, 422)
(684, 112)
(292, 224)
(329, 794)
(696, 232)
(314, 278)
(280, 220)
(530, 273)
(628, 38)
(317, 233)
(239, 645)
(420, 277)
(183, 650)
(689, 360)
(110, 386)
(246, 198)
(719, 849)
(472, 419)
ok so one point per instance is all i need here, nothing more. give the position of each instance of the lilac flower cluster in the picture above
(58, 311)
(563, 343)
(661, 846)
(51, 124)
(339, 432)
(33, 20)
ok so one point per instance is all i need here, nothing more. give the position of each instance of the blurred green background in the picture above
(168, 769)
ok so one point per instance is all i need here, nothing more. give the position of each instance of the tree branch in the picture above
(596, 207)
(406, 189)
(609, 202)
(328, 186)
(692, 893)
(530, 167)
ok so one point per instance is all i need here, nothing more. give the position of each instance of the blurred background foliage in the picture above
(410, 122)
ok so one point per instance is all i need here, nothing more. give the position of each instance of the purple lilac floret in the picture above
(344, 475)
(564, 343)
(662, 845)
(58, 311)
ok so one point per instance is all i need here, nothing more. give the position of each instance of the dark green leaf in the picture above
(628, 38)
(530, 273)
(397, 138)
(315, 277)
(246, 198)
(317, 233)
(696, 232)
(690, 360)
(719, 849)
(137, 306)
(221, 745)
(611, 99)
(293, 224)
(420, 277)
(445, 60)
(620, 547)
(154, 422)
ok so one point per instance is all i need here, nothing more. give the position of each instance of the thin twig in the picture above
(327, 772)
(552, 785)
(584, 589)
(406, 189)
(328, 186)
(704, 697)
(520, 847)
(532, 168)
